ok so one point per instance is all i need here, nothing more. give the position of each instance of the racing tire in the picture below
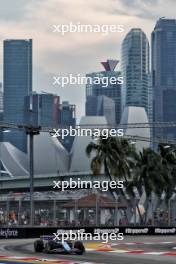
(79, 245)
(49, 246)
(38, 246)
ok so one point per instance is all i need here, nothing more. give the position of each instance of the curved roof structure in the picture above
(133, 114)
(13, 161)
(79, 160)
(50, 157)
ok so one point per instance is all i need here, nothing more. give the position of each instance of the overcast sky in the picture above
(54, 54)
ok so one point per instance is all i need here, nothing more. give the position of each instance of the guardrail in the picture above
(36, 232)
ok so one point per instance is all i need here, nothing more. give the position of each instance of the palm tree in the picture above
(116, 156)
(149, 175)
(168, 156)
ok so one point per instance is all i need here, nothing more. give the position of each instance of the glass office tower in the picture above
(17, 75)
(164, 75)
(135, 70)
(67, 118)
(101, 106)
(42, 109)
(113, 90)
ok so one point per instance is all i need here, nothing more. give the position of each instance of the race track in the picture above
(137, 250)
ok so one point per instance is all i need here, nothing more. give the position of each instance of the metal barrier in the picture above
(36, 232)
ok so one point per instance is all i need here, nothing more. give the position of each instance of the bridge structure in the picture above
(43, 182)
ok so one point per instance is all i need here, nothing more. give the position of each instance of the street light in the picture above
(116, 220)
(31, 131)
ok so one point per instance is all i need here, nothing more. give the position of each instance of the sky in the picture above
(77, 53)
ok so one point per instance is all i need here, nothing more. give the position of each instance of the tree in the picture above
(116, 157)
(150, 175)
(168, 156)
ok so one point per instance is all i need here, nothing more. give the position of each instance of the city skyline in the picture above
(54, 54)
(164, 75)
(135, 69)
(17, 78)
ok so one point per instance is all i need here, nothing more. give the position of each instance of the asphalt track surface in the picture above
(137, 250)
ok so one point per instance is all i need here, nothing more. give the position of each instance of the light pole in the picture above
(54, 211)
(97, 209)
(76, 212)
(31, 172)
(31, 131)
(8, 205)
(170, 202)
(153, 221)
(116, 222)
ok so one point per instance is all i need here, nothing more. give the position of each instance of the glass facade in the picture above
(101, 106)
(164, 75)
(135, 70)
(112, 91)
(17, 75)
(67, 118)
(42, 109)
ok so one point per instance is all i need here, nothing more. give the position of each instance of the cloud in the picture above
(16, 10)
(150, 9)
(81, 53)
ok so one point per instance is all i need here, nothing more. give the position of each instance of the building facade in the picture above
(42, 109)
(1, 98)
(17, 75)
(164, 75)
(101, 106)
(135, 70)
(1, 110)
(67, 118)
(112, 90)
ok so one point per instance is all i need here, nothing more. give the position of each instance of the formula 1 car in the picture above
(46, 244)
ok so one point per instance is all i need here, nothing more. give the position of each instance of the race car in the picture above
(48, 245)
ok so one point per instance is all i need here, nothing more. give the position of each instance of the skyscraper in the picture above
(101, 106)
(67, 118)
(1, 98)
(135, 70)
(164, 74)
(17, 76)
(1, 110)
(42, 109)
(113, 90)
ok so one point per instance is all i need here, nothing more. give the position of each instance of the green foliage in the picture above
(154, 172)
